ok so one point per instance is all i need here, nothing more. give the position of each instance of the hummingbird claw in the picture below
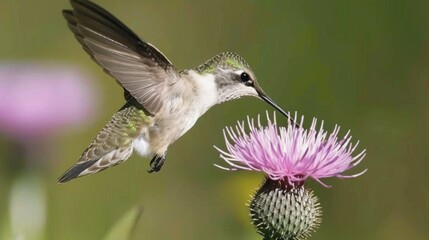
(156, 163)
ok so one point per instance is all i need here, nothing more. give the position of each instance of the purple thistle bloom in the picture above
(290, 153)
(38, 99)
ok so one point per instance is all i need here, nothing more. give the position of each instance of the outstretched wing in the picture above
(137, 65)
(113, 144)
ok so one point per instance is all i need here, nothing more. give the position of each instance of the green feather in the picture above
(224, 60)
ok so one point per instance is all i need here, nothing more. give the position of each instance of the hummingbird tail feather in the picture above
(75, 170)
(88, 167)
(113, 144)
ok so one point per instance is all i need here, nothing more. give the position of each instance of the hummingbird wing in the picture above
(113, 144)
(140, 68)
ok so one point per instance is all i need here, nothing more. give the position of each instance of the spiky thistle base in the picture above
(281, 211)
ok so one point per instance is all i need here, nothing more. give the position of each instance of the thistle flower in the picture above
(283, 208)
(38, 99)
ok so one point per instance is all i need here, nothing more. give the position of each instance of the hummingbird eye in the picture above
(244, 77)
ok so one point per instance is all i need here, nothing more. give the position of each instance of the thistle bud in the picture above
(283, 212)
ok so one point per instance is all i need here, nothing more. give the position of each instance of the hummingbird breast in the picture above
(191, 99)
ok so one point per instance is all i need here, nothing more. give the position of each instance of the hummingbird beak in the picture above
(270, 101)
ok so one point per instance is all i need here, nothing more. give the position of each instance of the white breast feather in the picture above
(207, 93)
(141, 146)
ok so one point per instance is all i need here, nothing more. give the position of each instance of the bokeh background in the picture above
(361, 64)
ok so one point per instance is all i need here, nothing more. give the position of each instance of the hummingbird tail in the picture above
(75, 171)
(113, 144)
(88, 167)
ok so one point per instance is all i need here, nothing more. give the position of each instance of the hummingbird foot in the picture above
(156, 163)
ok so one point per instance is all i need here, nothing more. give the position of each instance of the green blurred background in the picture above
(361, 64)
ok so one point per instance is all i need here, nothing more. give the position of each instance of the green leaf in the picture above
(124, 228)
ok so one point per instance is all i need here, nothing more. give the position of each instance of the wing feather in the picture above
(137, 66)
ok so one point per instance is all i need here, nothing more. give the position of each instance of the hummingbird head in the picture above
(235, 79)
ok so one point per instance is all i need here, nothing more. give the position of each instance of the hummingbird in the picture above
(161, 102)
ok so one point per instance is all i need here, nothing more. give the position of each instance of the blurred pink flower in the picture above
(291, 153)
(38, 99)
